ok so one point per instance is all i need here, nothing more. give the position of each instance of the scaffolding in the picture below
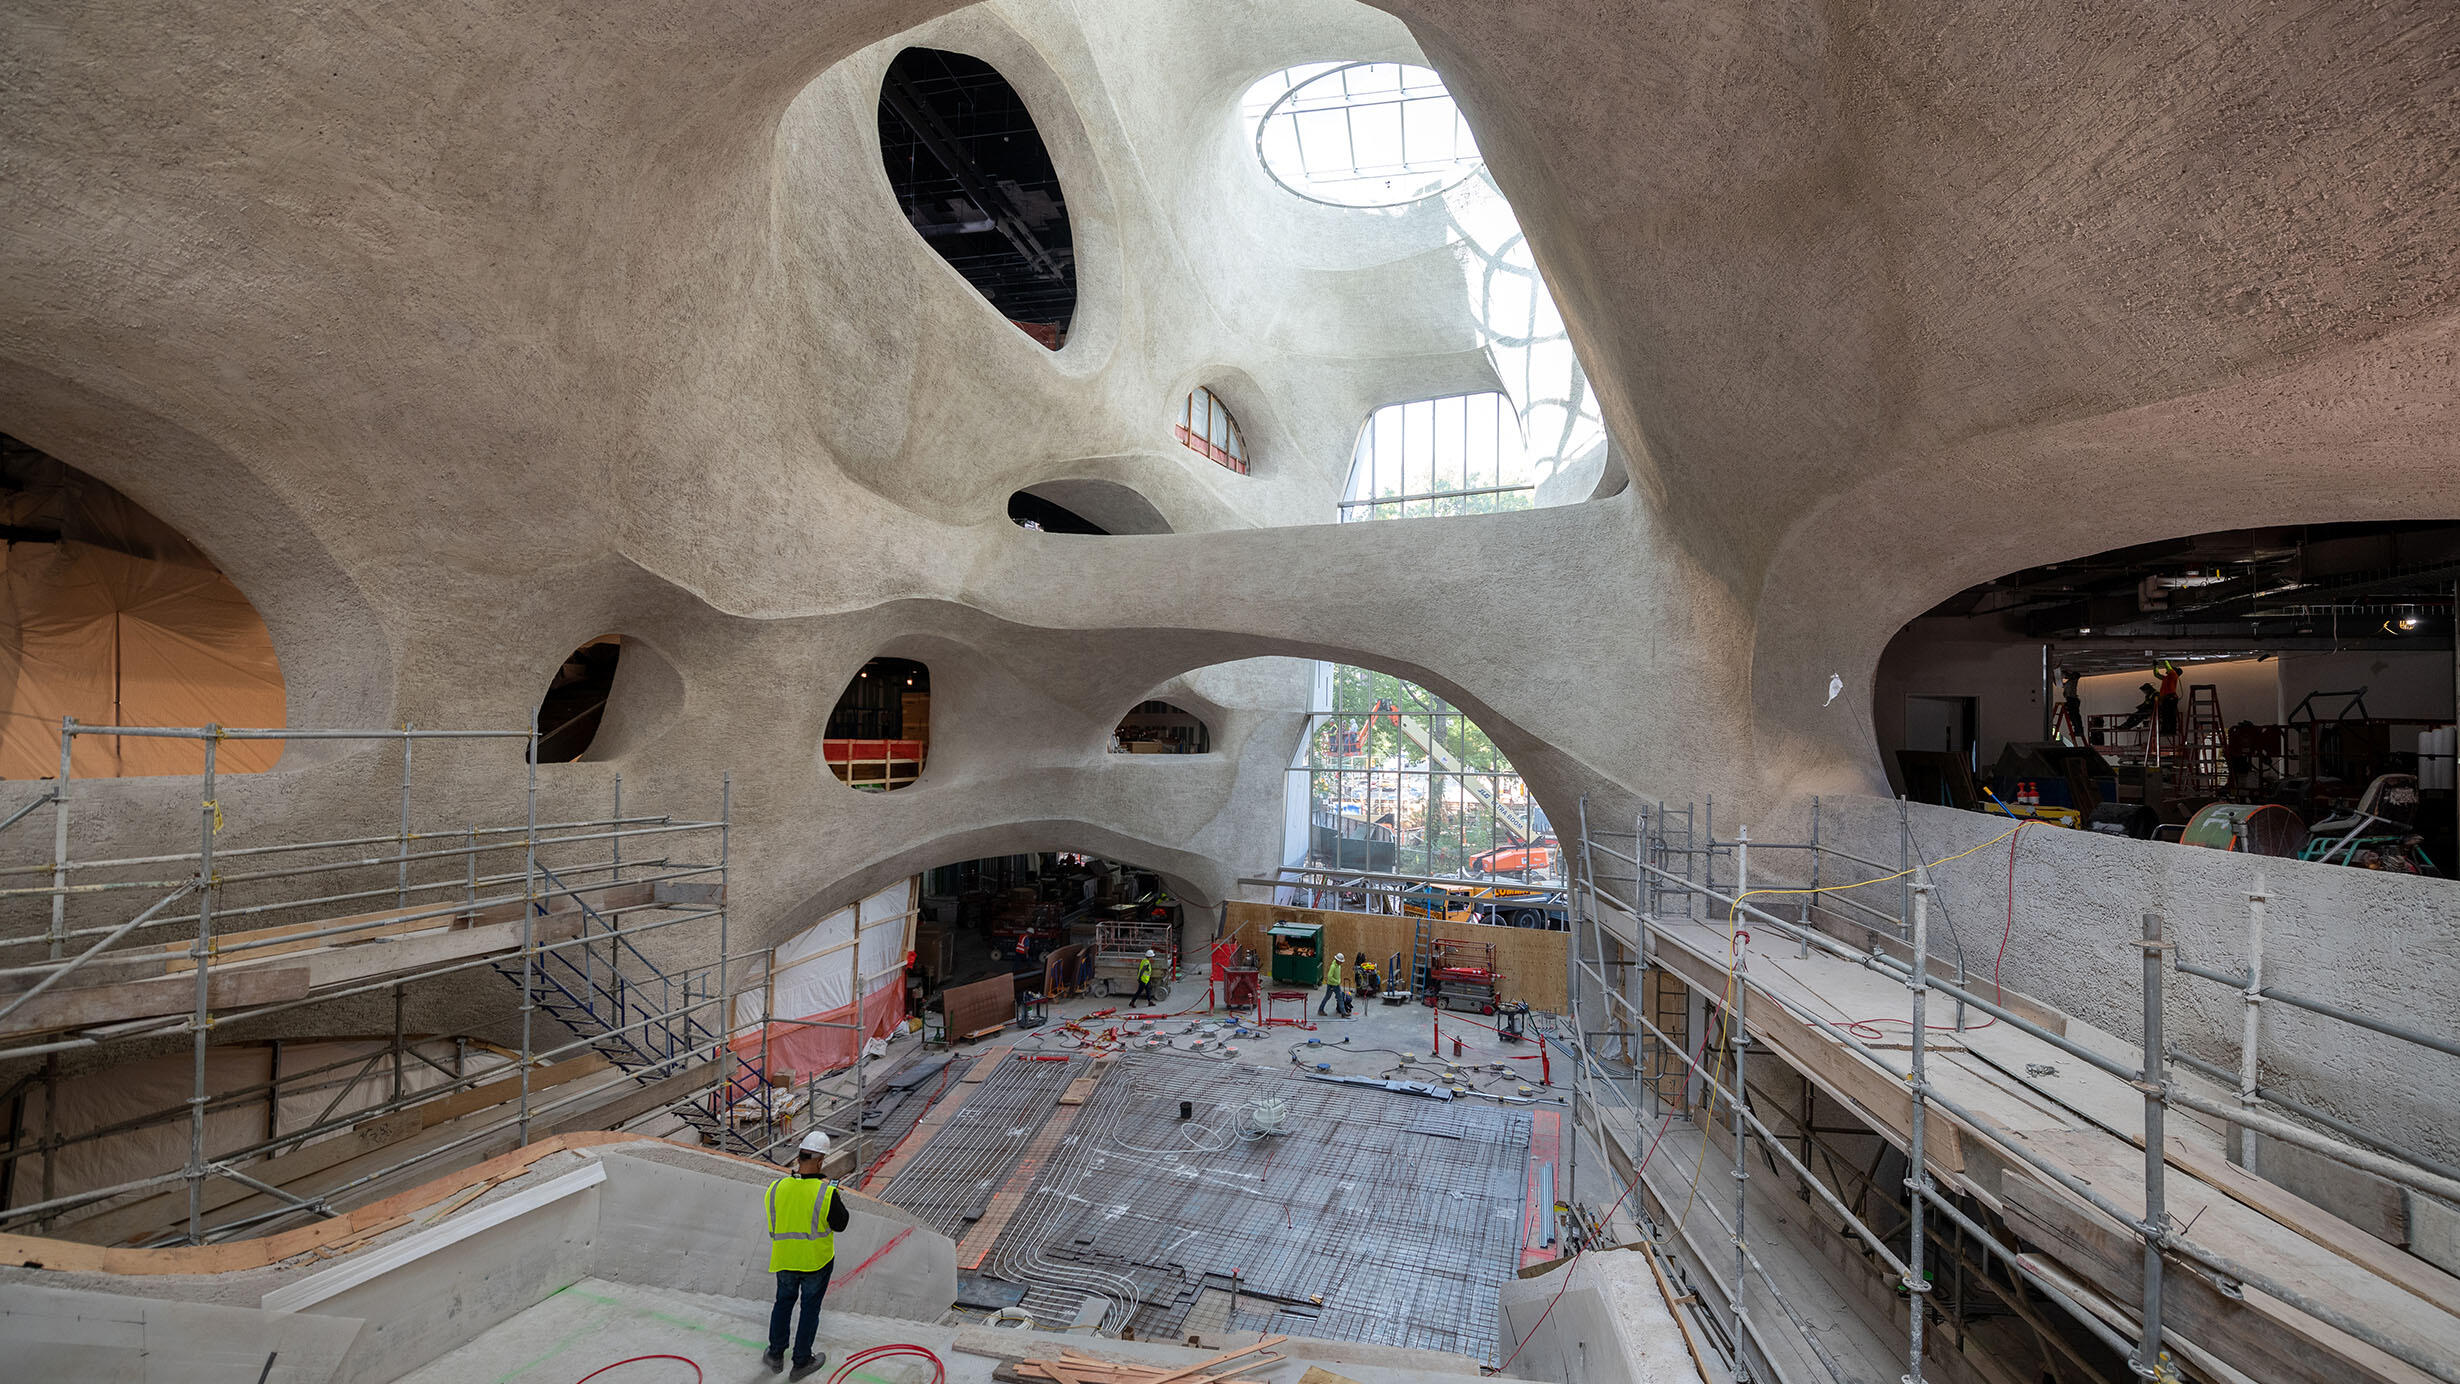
(550, 912)
(1633, 1071)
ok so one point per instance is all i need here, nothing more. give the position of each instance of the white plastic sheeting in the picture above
(812, 978)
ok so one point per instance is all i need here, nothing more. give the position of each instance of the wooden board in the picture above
(86, 1006)
(1004, 1203)
(1535, 963)
(983, 1004)
(2409, 1272)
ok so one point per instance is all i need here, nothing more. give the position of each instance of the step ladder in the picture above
(607, 991)
(2206, 742)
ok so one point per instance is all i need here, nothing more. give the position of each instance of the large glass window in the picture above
(1361, 134)
(1206, 428)
(1400, 781)
(1462, 454)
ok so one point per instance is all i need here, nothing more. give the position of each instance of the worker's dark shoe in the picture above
(773, 1359)
(811, 1367)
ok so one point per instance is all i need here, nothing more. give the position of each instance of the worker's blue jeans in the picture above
(807, 1286)
(1332, 993)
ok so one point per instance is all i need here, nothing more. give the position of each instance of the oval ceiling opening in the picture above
(975, 182)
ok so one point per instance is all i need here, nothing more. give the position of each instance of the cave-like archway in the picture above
(113, 617)
(879, 735)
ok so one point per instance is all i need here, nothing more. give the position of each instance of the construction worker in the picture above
(805, 1214)
(1332, 987)
(1370, 983)
(1144, 981)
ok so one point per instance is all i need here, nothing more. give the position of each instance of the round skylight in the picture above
(1361, 134)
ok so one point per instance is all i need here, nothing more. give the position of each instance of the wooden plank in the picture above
(36, 1252)
(2255, 1334)
(453, 1107)
(1080, 1090)
(623, 1105)
(344, 965)
(1222, 1359)
(1878, 1097)
(85, 1006)
(969, 1008)
(933, 1119)
(2405, 1271)
(416, 918)
(1004, 1203)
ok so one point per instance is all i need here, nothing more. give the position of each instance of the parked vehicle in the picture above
(1520, 860)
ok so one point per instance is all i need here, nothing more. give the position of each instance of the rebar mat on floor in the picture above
(949, 1181)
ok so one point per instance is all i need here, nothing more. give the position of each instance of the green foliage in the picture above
(1440, 832)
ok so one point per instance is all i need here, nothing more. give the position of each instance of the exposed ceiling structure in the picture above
(973, 176)
(2236, 594)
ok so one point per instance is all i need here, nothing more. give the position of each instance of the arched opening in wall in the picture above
(2282, 690)
(1160, 728)
(114, 618)
(1396, 780)
(1085, 506)
(974, 180)
(1057, 923)
(880, 732)
(1206, 428)
(1460, 454)
(575, 704)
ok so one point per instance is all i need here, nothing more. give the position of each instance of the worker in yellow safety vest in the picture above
(805, 1213)
(1144, 981)
(1332, 987)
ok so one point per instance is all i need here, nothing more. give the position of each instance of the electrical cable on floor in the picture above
(593, 1374)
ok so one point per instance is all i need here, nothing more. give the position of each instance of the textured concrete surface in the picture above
(1607, 1324)
(458, 341)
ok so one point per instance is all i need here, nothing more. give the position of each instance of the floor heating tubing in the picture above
(1377, 1216)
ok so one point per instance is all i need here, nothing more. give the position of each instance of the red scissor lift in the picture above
(1462, 975)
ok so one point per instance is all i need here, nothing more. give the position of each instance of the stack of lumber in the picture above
(1076, 1367)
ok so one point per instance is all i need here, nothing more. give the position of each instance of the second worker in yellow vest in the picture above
(805, 1212)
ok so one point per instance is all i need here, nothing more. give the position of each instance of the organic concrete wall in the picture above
(457, 343)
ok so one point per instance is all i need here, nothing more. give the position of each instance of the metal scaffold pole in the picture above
(201, 1022)
(724, 1025)
(59, 843)
(2150, 1361)
(529, 937)
(1917, 1175)
(2249, 1072)
(401, 880)
(1742, 1130)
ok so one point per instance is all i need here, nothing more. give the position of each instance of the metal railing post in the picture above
(1917, 1176)
(209, 813)
(2155, 1084)
(2248, 1081)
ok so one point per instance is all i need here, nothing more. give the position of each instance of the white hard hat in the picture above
(1150, 952)
(1340, 956)
(816, 1142)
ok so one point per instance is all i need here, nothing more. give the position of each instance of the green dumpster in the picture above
(1298, 953)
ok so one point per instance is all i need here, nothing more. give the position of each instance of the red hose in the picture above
(593, 1374)
(939, 1371)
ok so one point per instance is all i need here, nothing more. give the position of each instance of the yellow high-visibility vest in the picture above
(799, 1234)
(1332, 974)
(1144, 971)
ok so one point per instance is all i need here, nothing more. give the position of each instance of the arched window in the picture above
(575, 704)
(977, 184)
(1160, 728)
(111, 616)
(1361, 134)
(1399, 779)
(1462, 454)
(880, 732)
(1207, 429)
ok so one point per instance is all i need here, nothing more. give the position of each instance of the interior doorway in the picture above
(1944, 725)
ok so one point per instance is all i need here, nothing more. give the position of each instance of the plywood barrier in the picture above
(983, 1004)
(1534, 963)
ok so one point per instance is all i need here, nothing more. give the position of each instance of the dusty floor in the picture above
(597, 1324)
